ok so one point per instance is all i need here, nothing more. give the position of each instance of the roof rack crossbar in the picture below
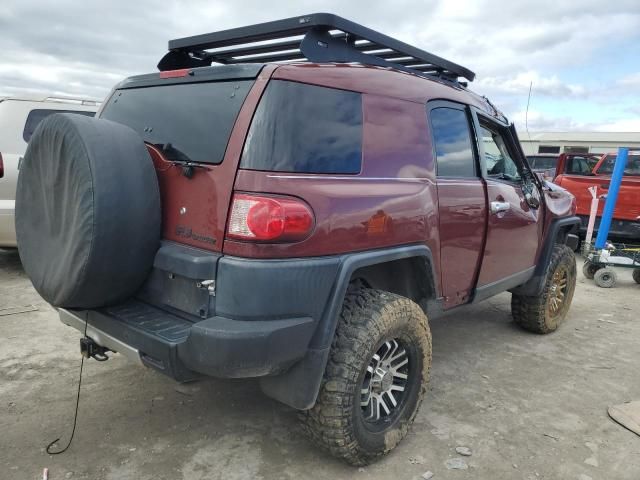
(327, 38)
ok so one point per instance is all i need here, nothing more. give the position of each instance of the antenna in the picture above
(526, 115)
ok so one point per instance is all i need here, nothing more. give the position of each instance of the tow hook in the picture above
(90, 349)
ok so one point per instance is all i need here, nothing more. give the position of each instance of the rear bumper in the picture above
(619, 228)
(272, 319)
(184, 350)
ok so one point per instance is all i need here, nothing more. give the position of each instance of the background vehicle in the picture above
(19, 117)
(294, 222)
(578, 172)
(545, 163)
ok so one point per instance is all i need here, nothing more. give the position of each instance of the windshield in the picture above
(189, 122)
(632, 168)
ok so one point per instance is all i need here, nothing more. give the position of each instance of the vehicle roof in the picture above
(84, 102)
(383, 81)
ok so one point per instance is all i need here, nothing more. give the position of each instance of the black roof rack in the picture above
(325, 38)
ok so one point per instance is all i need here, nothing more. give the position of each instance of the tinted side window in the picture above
(305, 129)
(452, 141)
(632, 167)
(36, 116)
(580, 165)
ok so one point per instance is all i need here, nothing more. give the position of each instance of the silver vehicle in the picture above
(19, 117)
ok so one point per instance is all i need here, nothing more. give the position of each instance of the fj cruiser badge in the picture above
(186, 232)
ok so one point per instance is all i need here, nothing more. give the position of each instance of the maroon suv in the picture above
(294, 221)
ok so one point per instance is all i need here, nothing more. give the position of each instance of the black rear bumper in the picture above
(273, 319)
(217, 346)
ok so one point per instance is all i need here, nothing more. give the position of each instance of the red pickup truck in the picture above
(578, 172)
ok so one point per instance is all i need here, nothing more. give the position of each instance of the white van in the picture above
(19, 117)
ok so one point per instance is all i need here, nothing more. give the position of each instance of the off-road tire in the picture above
(606, 278)
(369, 319)
(589, 269)
(535, 313)
(636, 275)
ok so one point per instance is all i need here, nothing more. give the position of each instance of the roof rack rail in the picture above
(76, 100)
(326, 38)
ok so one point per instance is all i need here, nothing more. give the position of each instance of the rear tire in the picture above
(348, 419)
(606, 278)
(636, 275)
(589, 269)
(545, 312)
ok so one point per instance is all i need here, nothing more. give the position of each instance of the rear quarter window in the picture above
(305, 129)
(36, 116)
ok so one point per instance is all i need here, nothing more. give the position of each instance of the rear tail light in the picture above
(1, 167)
(269, 219)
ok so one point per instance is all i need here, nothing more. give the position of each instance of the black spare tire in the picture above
(87, 211)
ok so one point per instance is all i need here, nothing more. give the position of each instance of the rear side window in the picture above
(189, 122)
(452, 141)
(305, 129)
(36, 116)
(579, 165)
(632, 167)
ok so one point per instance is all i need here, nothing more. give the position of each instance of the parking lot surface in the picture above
(527, 406)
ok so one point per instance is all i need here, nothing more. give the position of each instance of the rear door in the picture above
(461, 199)
(194, 124)
(513, 226)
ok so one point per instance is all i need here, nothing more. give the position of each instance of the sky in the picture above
(583, 57)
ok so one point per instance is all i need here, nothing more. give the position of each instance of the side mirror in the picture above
(532, 200)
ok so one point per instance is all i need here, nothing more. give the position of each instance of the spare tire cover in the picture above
(87, 211)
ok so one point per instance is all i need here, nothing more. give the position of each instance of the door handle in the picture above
(497, 207)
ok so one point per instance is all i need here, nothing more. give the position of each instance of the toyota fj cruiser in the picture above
(296, 221)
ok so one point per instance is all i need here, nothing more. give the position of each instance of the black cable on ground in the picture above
(75, 416)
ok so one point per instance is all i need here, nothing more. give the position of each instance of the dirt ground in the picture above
(528, 406)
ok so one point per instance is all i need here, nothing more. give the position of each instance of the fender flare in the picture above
(298, 387)
(535, 284)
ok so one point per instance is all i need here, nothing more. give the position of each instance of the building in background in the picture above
(578, 142)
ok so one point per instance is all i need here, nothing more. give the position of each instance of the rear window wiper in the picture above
(179, 158)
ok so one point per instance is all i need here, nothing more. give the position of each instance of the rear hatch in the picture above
(186, 118)
(194, 123)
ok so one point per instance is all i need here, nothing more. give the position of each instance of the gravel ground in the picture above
(526, 406)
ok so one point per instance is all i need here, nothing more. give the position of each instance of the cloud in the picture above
(84, 48)
(540, 122)
(630, 81)
(519, 85)
(626, 125)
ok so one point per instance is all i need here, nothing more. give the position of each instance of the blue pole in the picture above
(612, 197)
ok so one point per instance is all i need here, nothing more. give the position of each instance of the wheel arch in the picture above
(558, 233)
(298, 387)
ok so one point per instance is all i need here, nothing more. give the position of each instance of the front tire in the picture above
(375, 379)
(636, 275)
(545, 312)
